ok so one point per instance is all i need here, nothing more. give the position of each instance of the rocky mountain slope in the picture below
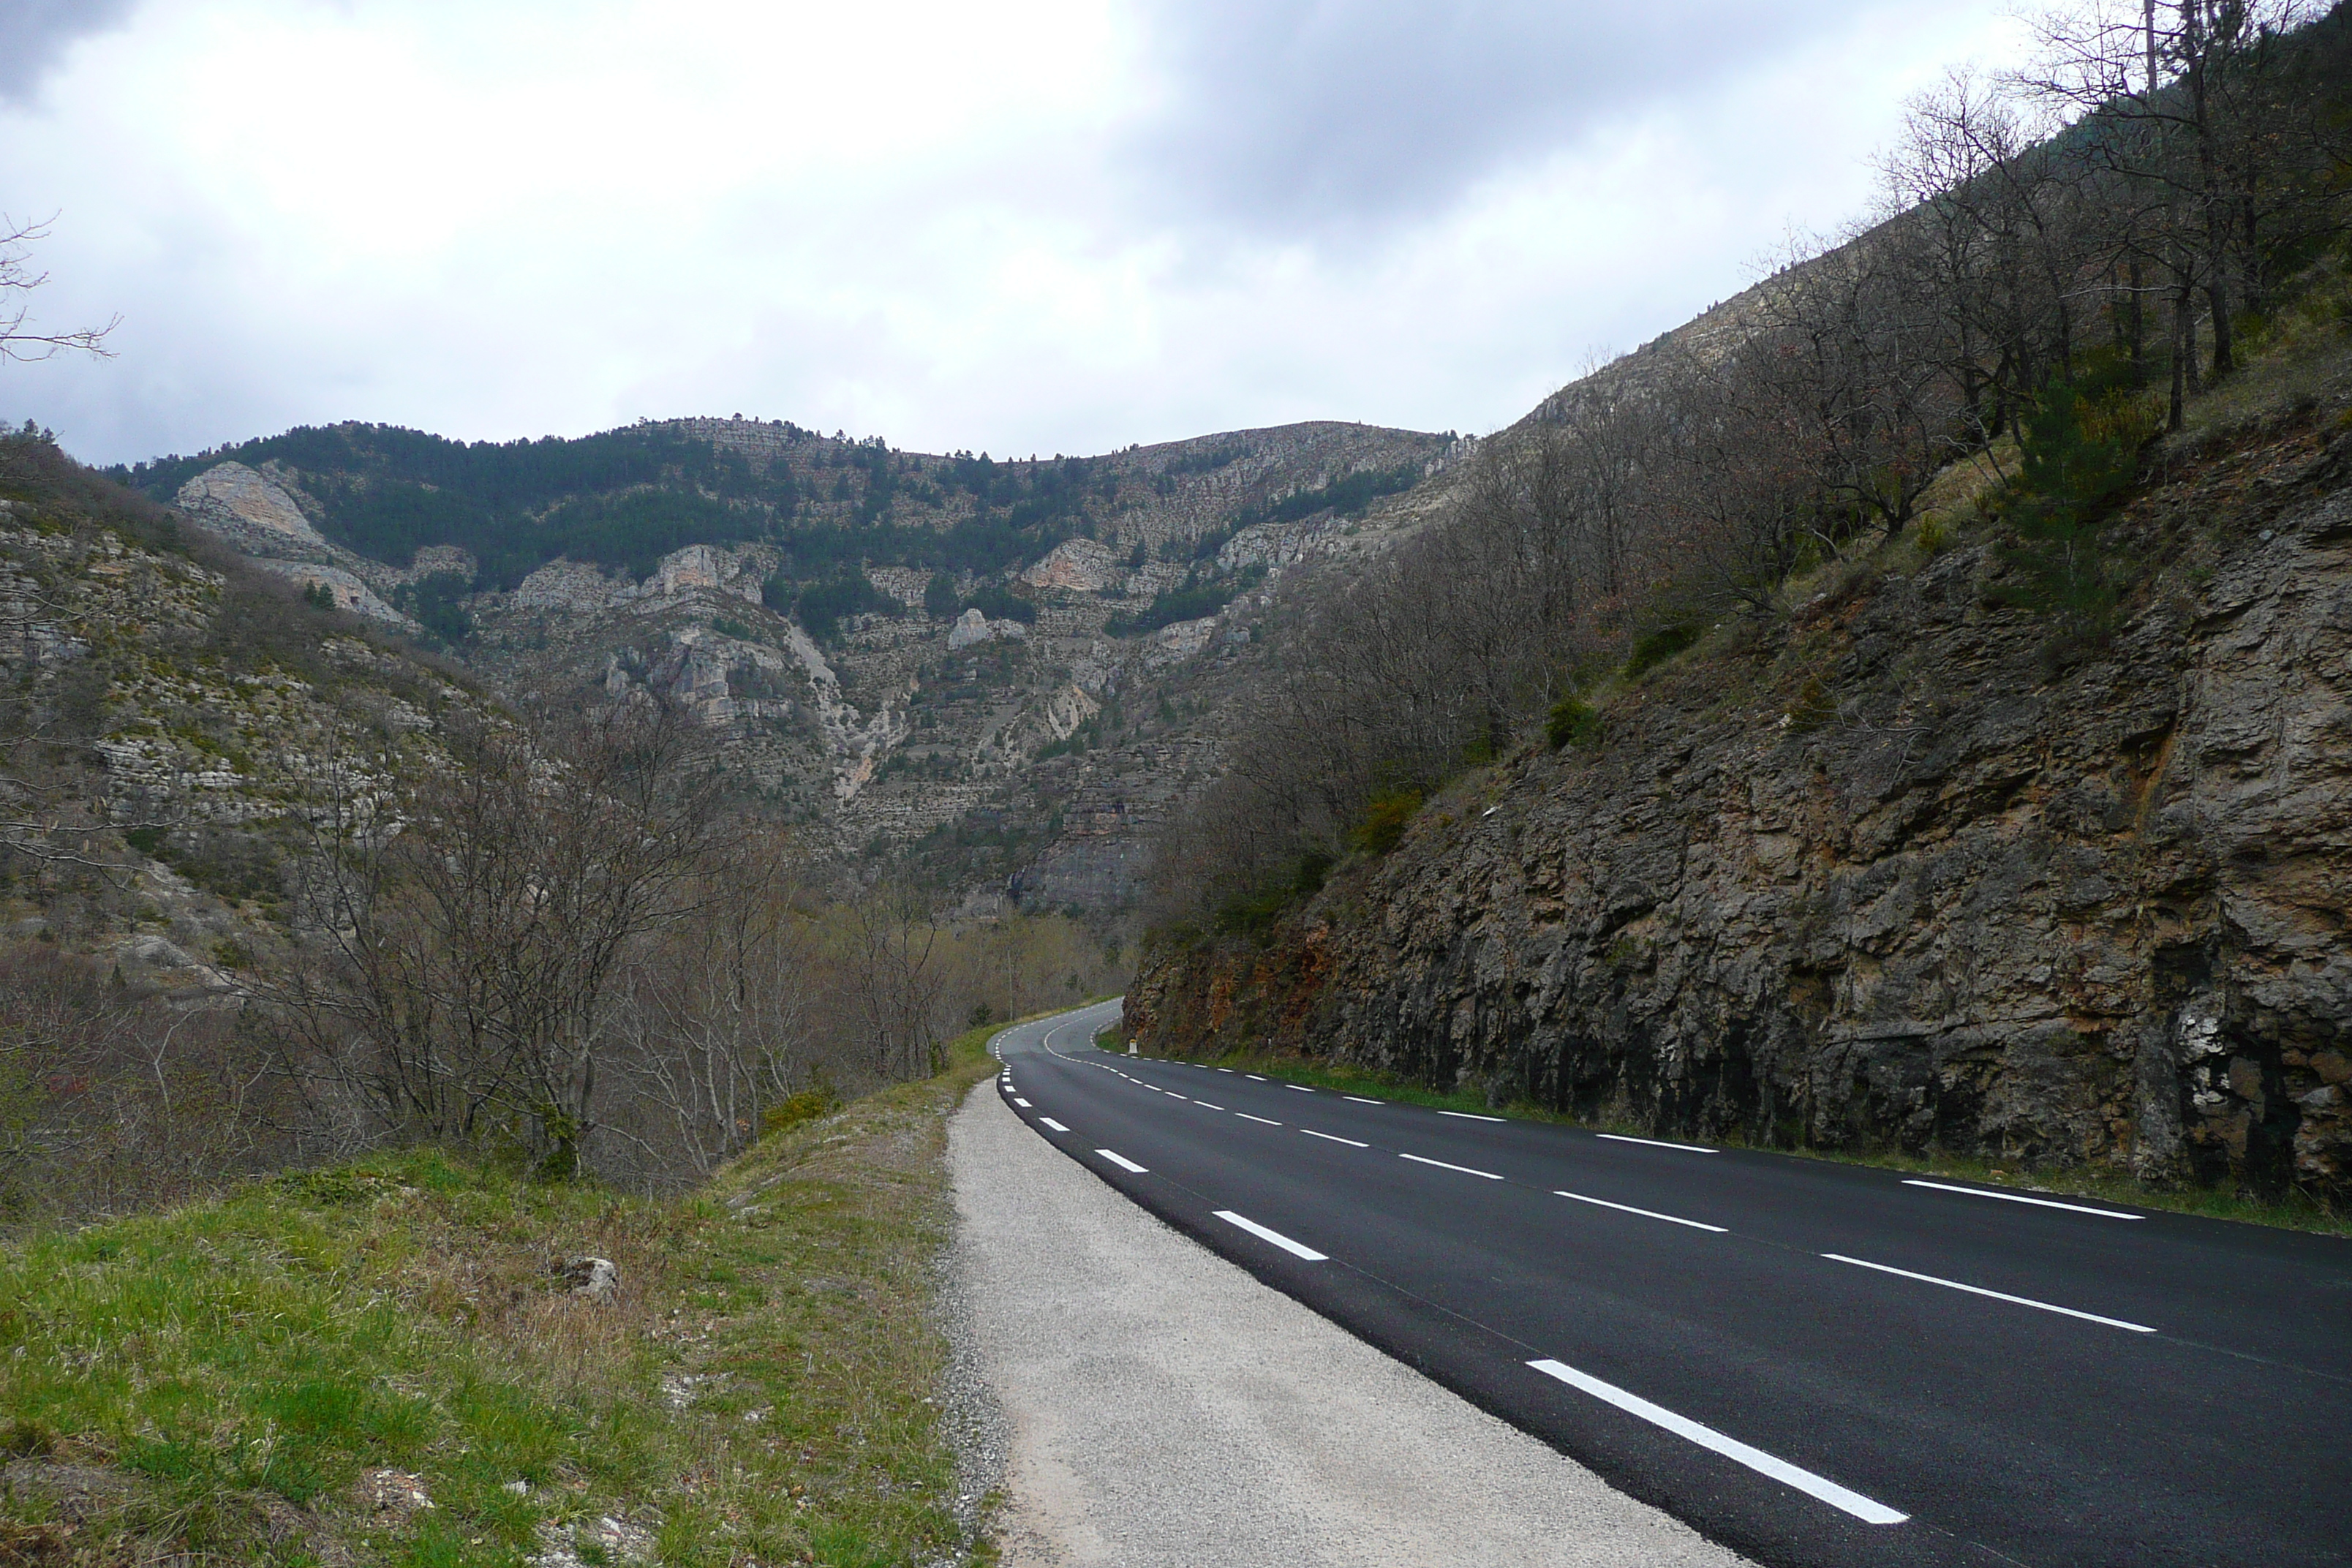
(1883, 873)
(991, 664)
(176, 715)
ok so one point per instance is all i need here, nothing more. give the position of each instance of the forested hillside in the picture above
(1900, 707)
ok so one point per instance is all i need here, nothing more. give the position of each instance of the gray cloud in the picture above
(34, 34)
(1416, 214)
(1303, 115)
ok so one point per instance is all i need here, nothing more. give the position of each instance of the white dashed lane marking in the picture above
(1996, 1295)
(1646, 1214)
(2020, 1198)
(1443, 1165)
(1866, 1509)
(1053, 1124)
(1121, 1160)
(1351, 1142)
(1275, 1236)
(1653, 1142)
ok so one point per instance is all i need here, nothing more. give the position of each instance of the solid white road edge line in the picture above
(1053, 1124)
(1756, 1459)
(1351, 1142)
(1441, 1165)
(1121, 1160)
(1245, 1116)
(1469, 1116)
(1275, 1236)
(1646, 1214)
(1996, 1295)
(2020, 1198)
(1653, 1142)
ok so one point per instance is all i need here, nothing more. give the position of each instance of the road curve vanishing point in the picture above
(1811, 1363)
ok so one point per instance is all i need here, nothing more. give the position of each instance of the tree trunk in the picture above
(2184, 346)
(2136, 313)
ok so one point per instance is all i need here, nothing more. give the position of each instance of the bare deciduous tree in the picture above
(18, 339)
(2210, 131)
(713, 1016)
(470, 950)
(893, 984)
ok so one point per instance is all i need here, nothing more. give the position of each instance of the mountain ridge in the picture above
(969, 658)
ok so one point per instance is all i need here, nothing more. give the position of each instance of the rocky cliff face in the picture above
(1880, 877)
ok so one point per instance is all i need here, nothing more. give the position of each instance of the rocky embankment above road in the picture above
(1878, 877)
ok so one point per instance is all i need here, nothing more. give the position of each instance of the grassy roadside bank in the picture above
(378, 1364)
(2212, 1203)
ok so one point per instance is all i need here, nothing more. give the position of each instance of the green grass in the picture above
(761, 1388)
(2293, 1213)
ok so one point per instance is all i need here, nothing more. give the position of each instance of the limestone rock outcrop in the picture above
(344, 587)
(578, 588)
(705, 568)
(1174, 644)
(258, 512)
(596, 1279)
(1082, 565)
(582, 587)
(245, 506)
(971, 628)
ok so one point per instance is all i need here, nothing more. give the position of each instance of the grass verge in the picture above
(377, 1364)
(2295, 1213)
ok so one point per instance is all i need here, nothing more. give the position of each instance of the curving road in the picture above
(1812, 1363)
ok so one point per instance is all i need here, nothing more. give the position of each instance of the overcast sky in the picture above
(1055, 227)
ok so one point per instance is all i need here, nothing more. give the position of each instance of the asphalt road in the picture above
(1812, 1363)
(1150, 1405)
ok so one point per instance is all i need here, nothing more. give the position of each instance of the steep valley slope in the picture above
(1881, 872)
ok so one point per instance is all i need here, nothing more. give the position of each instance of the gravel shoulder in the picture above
(1159, 1406)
